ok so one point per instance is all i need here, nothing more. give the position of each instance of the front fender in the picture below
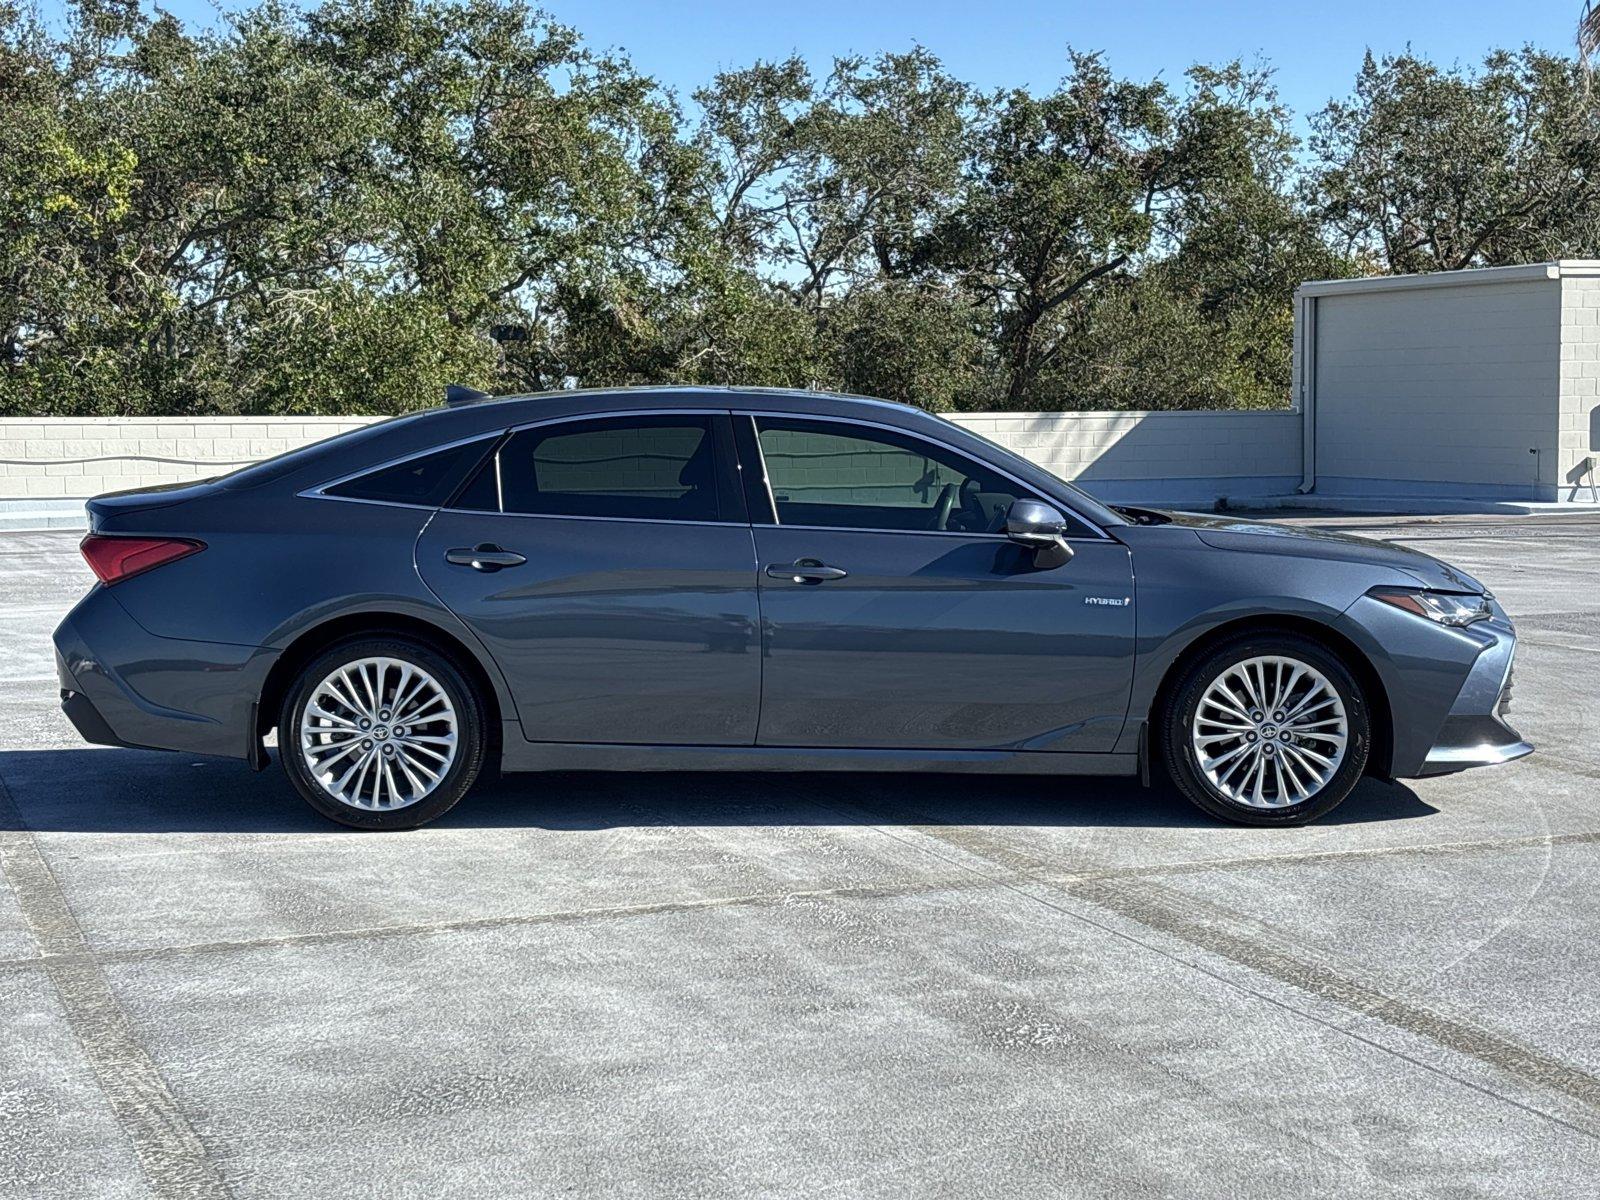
(1188, 591)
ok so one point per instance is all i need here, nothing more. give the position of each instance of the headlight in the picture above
(1443, 608)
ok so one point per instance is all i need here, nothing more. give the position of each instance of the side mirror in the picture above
(1041, 528)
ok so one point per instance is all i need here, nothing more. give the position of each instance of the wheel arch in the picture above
(1379, 758)
(349, 626)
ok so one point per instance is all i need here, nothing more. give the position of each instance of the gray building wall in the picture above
(1481, 383)
(1443, 384)
(1177, 458)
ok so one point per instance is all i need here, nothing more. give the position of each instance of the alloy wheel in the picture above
(378, 734)
(1269, 732)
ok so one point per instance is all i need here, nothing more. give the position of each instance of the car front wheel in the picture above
(382, 733)
(1267, 729)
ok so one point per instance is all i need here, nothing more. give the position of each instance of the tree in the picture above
(915, 343)
(1068, 190)
(346, 207)
(826, 186)
(1424, 169)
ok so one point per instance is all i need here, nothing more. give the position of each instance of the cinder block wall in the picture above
(1578, 454)
(45, 458)
(1154, 457)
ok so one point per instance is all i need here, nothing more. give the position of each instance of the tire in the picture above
(405, 775)
(1213, 748)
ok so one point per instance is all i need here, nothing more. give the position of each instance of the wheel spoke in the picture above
(354, 692)
(316, 710)
(1281, 700)
(1249, 687)
(421, 712)
(323, 762)
(1309, 703)
(418, 764)
(1222, 760)
(1228, 706)
(1301, 791)
(1318, 775)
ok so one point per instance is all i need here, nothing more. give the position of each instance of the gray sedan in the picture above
(709, 579)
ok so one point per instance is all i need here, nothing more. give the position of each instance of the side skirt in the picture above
(575, 756)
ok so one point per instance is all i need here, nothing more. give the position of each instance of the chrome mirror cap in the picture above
(1042, 528)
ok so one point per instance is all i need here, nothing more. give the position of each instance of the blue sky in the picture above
(1003, 43)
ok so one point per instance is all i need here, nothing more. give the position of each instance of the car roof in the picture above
(687, 395)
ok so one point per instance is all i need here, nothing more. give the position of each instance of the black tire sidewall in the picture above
(470, 749)
(1178, 750)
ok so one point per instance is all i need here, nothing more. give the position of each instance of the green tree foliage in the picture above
(1423, 169)
(344, 208)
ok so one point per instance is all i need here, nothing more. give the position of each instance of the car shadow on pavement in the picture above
(138, 791)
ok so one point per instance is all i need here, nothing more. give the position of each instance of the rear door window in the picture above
(664, 467)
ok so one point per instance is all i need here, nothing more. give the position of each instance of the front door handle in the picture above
(806, 570)
(487, 557)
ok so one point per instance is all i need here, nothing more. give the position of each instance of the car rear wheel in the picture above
(382, 733)
(1267, 729)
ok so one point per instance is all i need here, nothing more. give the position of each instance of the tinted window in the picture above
(428, 479)
(853, 477)
(657, 468)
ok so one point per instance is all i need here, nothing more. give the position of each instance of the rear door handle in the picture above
(487, 557)
(806, 570)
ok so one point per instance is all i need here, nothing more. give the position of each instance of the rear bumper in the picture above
(85, 717)
(123, 686)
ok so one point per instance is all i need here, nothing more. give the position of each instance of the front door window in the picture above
(835, 475)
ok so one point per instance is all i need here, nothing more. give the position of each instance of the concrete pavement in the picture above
(805, 985)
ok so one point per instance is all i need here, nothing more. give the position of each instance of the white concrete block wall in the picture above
(1578, 429)
(1155, 457)
(69, 458)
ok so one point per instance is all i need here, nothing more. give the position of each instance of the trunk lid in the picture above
(109, 512)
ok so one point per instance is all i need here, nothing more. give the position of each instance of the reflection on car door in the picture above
(607, 565)
(895, 615)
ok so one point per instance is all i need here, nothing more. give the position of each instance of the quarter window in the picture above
(645, 468)
(426, 480)
(844, 476)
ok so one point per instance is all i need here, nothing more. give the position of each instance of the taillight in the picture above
(114, 559)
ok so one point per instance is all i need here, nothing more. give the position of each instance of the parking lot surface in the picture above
(808, 985)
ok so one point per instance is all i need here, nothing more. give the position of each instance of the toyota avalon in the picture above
(712, 579)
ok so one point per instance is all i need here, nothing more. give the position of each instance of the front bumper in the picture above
(1475, 733)
(1474, 742)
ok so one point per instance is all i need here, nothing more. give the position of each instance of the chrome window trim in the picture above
(519, 516)
(318, 492)
(611, 414)
(755, 416)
